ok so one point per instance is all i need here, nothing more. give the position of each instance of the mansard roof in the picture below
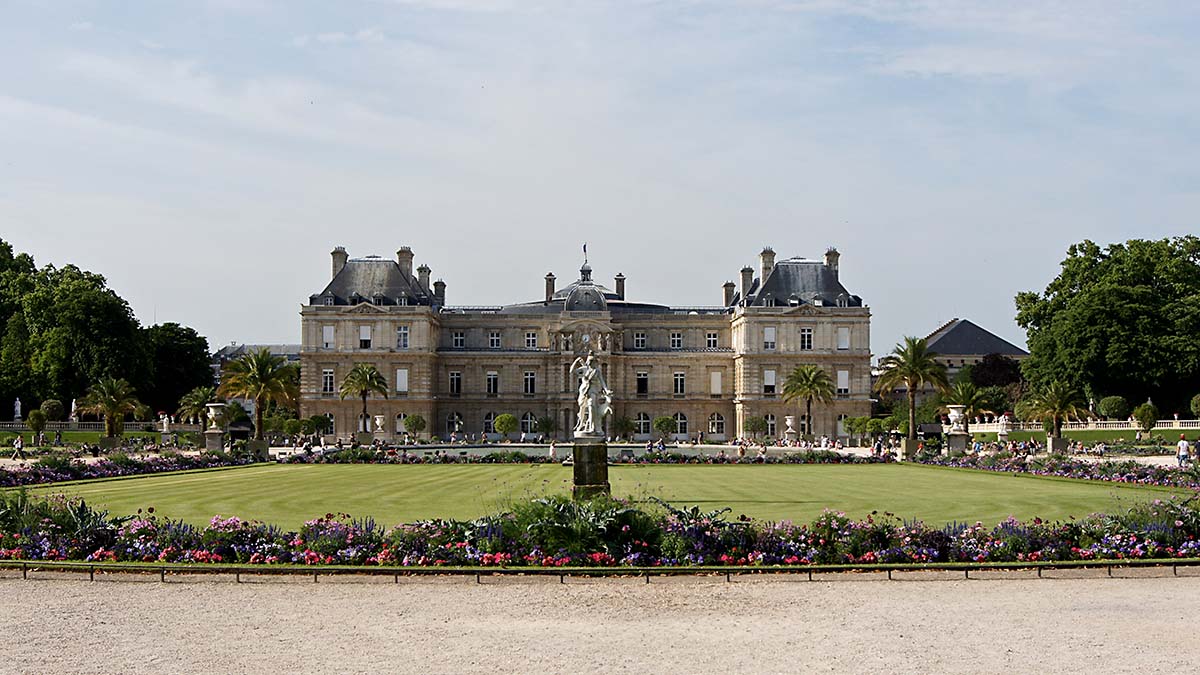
(797, 281)
(376, 280)
(960, 336)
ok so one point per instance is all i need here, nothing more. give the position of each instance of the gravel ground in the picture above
(851, 623)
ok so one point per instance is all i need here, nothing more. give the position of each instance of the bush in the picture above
(755, 425)
(414, 424)
(53, 409)
(292, 427)
(505, 424)
(1114, 407)
(36, 421)
(1146, 415)
(665, 426)
(1196, 405)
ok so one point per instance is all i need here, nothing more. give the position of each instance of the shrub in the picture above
(1196, 405)
(36, 420)
(1114, 407)
(665, 426)
(415, 424)
(53, 409)
(505, 424)
(755, 425)
(1146, 415)
(292, 427)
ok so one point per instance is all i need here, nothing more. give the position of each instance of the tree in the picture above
(972, 399)
(545, 425)
(1196, 405)
(876, 426)
(414, 424)
(911, 365)
(292, 427)
(112, 399)
(1114, 407)
(995, 399)
(323, 425)
(179, 362)
(234, 413)
(362, 381)
(263, 378)
(664, 425)
(1054, 403)
(36, 421)
(623, 426)
(808, 383)
(194, 404)
(995, 370)
(505, 424)
(755, 425)
(16, 360)
(1146, 415)
(1122, 318)
(52, 409)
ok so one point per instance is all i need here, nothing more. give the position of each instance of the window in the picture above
(769, 383)
(528, 423)
(494, 340)
(401, 337)
(843, 383)
(641, 423)
(327, 381)
(493, 383)
(639, 340)
(841, 424)
(530, 340)
(458, 339)
(802, 423)
(455, 383)
(329, 428)
(328, 337)
(681, 424)
(770, 420)
(489, 423)
(714, 384)
(327, 301)
(680, 387)
(676, 340)
(769, 338)
(364, 337)
(530, 383)
(806, 339)
(364, 422)
(400, 428)
(843, 337)
(710, 340)
(643, 383)
(453, 423)
(716, 423)
(402, 381)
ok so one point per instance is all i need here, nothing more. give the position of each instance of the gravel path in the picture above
(132, 624)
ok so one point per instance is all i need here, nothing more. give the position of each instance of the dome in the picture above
(586, 298)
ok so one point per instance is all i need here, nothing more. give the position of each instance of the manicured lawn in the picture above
(290, 494)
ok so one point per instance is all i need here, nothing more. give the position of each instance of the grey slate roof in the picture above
(960, 336)
(376, 280)
(798, 281)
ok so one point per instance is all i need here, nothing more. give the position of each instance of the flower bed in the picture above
(57, 468)
(1127, 471)
(367, 456)
(557, 532)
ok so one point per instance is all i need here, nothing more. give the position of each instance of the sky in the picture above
(206, 156)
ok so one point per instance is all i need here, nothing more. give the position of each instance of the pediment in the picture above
(364, 308)
(804, 310)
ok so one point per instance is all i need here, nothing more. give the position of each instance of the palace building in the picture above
(707, 368)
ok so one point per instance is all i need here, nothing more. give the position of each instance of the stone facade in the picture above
(710, 368)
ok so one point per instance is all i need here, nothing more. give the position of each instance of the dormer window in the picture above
(378, 299)
(841, 301)
(327, 301)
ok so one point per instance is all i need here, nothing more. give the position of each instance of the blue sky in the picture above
(206, 156)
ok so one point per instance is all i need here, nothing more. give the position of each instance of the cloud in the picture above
(82, 26)
(362, 36)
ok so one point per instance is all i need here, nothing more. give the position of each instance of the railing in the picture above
(51, 427)
(1088, 425)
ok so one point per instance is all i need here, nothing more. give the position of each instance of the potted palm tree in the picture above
(808, 383)
(911, 365)
(1054, 403)
(193, 406)
(263, 378)
(112, 399)
(363, 380)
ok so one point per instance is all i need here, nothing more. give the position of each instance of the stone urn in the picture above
(790, 433)
(956, 418)
(379, 424)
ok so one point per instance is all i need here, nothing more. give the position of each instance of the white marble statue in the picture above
(74, 416)
(595, 398)
(17, 409)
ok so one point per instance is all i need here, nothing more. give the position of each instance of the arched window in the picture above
(489, 423)
(364, 422)
(680, 423)
(400, 417)
(802, 424)
(330, 428)
(528, 423)
(841, 425)
(770, 419)
(641, 423)
(716, 423)
(453, 423)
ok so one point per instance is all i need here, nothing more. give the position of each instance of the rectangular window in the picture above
(639, 340)
(530, 383)
(680, 387)
(769, 383)
(455, 383)
(364, 337)
(458, 339)
(843, 337)
(493, 383)
(328, 336)
(327, 381)
(769, 338)
(402, 380)
(843, 382)
(328, 302)
(643, 383)
(714, 384)
(676, 340)
(806, 339)
(401, 337)
(494, 340)
(530, 340)
(710, 340)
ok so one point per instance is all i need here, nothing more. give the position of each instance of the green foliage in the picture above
(664, 425)
(1121, 318)
(36, 421)
(1114, 407)
(111, 399)
(1053, 404)
(545, 425)
(808, 383)
(415, 424)
(505, 424)
(1196, 405)
(1146, 415)
(755, 425)
(233, 413)
(967, 395)
(995, 399)
(52, 409)
(995, 370)
(179, 362)
(623, 426)
(322, 424)
(560, 524)
(194, 404)
(292, 427)
(263, 378)
(876, 426)
(911, 365)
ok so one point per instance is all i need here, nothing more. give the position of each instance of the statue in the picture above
(74, 417)
(17, 410)
(595, 398)
(165, 420)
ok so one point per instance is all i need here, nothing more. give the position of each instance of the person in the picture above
(18, 448)
(1182, 450)
(553, 456)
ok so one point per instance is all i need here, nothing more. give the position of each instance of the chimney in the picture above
(339, 259)
(831, 260)
(404, 258)
(747, 282)
(423, 277)
(729, 287)
(767, 261)
(439, 292)
(620, 280)
(549, 285)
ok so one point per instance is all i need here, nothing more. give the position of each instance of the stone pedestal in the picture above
(364, 438)
(957, 443)
(908, 448)
(214, 440)
(1058, 445)
(590, 459)
(260, 450)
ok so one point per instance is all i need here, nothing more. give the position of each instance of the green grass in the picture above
(290, 494)
(6, 437)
